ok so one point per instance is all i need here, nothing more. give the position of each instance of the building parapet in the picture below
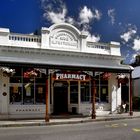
(27, 38)
(97, 47)
(53, 38)
(21, 40)
(103, 48)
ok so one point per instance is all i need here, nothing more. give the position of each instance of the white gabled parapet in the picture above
(4, 36)
(63, 37)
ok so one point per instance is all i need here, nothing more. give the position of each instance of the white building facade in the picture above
(54, 72)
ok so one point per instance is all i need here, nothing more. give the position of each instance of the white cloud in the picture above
(120, 23)
(128, 35)
(70, 20)
(55, 14)
(133, 58)
(86, 15)
(93, 38)
(97, 14)
(136, 43)
(56, 17)
(59, 14)
(111, 14)
(129, 56)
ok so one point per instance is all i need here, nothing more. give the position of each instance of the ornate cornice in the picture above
(39, 51)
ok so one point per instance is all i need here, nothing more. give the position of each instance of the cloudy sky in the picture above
(103, 20)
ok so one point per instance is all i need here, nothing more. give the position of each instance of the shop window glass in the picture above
(16, 78)
(28, 86)
(40, 90)
(104, 91)
(15, 94)
(101, 90)
(40, 93)
(16, 86)
(85, 92)
(74, 92)
(28, 92)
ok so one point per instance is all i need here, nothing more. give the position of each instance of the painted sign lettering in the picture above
(71, 76)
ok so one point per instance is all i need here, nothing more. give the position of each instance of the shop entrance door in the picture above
(60, 98)
(125, 93)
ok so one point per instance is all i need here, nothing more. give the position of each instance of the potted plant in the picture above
(122, 78)
(106, 75)
(31, 73)
(7, 72)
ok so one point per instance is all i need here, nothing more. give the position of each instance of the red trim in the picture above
(47, 114)
(93, 100)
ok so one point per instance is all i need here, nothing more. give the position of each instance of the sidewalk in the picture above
(66, 120)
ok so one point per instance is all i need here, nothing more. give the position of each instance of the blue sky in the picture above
(104, 20)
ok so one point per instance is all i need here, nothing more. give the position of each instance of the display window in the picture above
(27, 86)
(74, 92)
(101, 85)
(15, 94)
(85, 91)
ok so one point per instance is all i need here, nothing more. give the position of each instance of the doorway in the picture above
(60, 98)
(125, 93)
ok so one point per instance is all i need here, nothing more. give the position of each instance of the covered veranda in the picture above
(94, 68)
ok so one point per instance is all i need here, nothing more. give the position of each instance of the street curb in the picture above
(23, 124)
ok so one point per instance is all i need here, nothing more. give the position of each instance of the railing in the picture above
(26, 38)
(96, 45)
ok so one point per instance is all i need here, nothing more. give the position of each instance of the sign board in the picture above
(63, 39)
(71, 76)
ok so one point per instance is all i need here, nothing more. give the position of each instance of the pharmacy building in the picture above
(61, 72)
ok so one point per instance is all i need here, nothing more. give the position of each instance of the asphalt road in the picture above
(112, 130)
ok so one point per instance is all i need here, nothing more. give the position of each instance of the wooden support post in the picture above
(93, 100)
(130, 95)
(47, 104)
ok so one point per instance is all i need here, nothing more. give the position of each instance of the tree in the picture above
(137, 61)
